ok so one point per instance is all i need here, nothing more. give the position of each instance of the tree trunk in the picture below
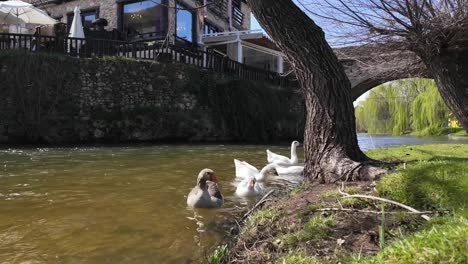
(450, 72)
(330, 141)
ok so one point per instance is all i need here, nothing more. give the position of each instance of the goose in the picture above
(206, 193)
(289, 170)
(248, 188)
(282, 160)
(245, 170)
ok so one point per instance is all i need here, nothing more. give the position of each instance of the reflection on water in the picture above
(121, 204)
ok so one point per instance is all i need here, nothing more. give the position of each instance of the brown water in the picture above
(114, 204)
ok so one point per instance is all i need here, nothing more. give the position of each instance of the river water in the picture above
(124, 204)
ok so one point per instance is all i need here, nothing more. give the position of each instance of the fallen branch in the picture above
(334, 209)
(257, 205)
(411, 209)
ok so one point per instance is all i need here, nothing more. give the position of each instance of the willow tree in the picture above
(401, 105)
(331, 148)
(436, 31)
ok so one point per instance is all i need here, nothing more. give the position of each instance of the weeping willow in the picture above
(402, 106)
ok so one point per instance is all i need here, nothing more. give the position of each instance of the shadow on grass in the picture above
(435, 185)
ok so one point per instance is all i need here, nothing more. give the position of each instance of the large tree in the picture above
(331, 148)
(435, 30)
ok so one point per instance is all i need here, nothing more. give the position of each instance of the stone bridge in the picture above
(369, 66)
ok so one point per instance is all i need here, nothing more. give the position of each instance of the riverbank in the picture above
(315, 224)
(439, 131)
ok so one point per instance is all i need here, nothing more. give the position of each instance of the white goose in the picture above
(282, 160)
(248, 188)
(247, 171)
(290, 170)
(206, 193)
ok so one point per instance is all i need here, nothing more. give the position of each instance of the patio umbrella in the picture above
(23, 13)
(76, 29)
(5, 18)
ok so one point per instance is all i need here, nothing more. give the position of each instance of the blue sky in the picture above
(254, 23)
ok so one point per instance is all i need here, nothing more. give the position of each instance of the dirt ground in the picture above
(267, 239)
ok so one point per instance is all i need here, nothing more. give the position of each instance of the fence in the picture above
(85, 48)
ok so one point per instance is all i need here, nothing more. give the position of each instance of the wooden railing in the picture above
(85, 48)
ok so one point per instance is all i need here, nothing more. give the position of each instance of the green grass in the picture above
(297, 258)
(460, 132)
(438, 182)
(219, 253)
(447, 243)
(317, 227)
(436, 131)
(262, 217)
(451, 152)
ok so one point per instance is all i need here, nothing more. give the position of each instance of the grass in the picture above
(439, 181)
(219, 253)
(437, 131)
(317, 227)
(445, 243)
(297, 258)
(262, 217)
(460, 132)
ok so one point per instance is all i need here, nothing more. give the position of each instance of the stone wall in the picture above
(57, 99)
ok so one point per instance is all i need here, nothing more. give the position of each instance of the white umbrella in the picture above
(23, 13)
(76, 29)
(5, 18)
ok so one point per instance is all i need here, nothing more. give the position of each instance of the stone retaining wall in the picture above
(56, 99)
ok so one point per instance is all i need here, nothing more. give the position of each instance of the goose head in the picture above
(269, 169)
(295, 144)
(206, 175)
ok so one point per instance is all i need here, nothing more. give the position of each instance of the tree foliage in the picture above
(400, 106)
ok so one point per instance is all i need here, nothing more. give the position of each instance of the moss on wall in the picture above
(51, 98)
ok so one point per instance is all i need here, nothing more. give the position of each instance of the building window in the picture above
(87, 17)
(210, 28)
(185, 24)
(143, 17)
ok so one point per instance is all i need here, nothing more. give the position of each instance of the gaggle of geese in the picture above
(206, 193)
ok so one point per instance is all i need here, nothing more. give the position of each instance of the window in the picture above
(184, 24)
(87, 17)
(210, 28)
(142, 17)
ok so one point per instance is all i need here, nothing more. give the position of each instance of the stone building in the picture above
(221, 25)
(155, 19)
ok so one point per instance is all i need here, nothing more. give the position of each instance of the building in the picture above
(221, 25)
(148, 19)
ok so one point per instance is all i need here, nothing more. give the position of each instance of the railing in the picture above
(85, 48)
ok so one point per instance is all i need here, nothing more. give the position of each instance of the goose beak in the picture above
(214, 179)
(252, 183)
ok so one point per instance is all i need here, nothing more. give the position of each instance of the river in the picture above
(124, 204)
